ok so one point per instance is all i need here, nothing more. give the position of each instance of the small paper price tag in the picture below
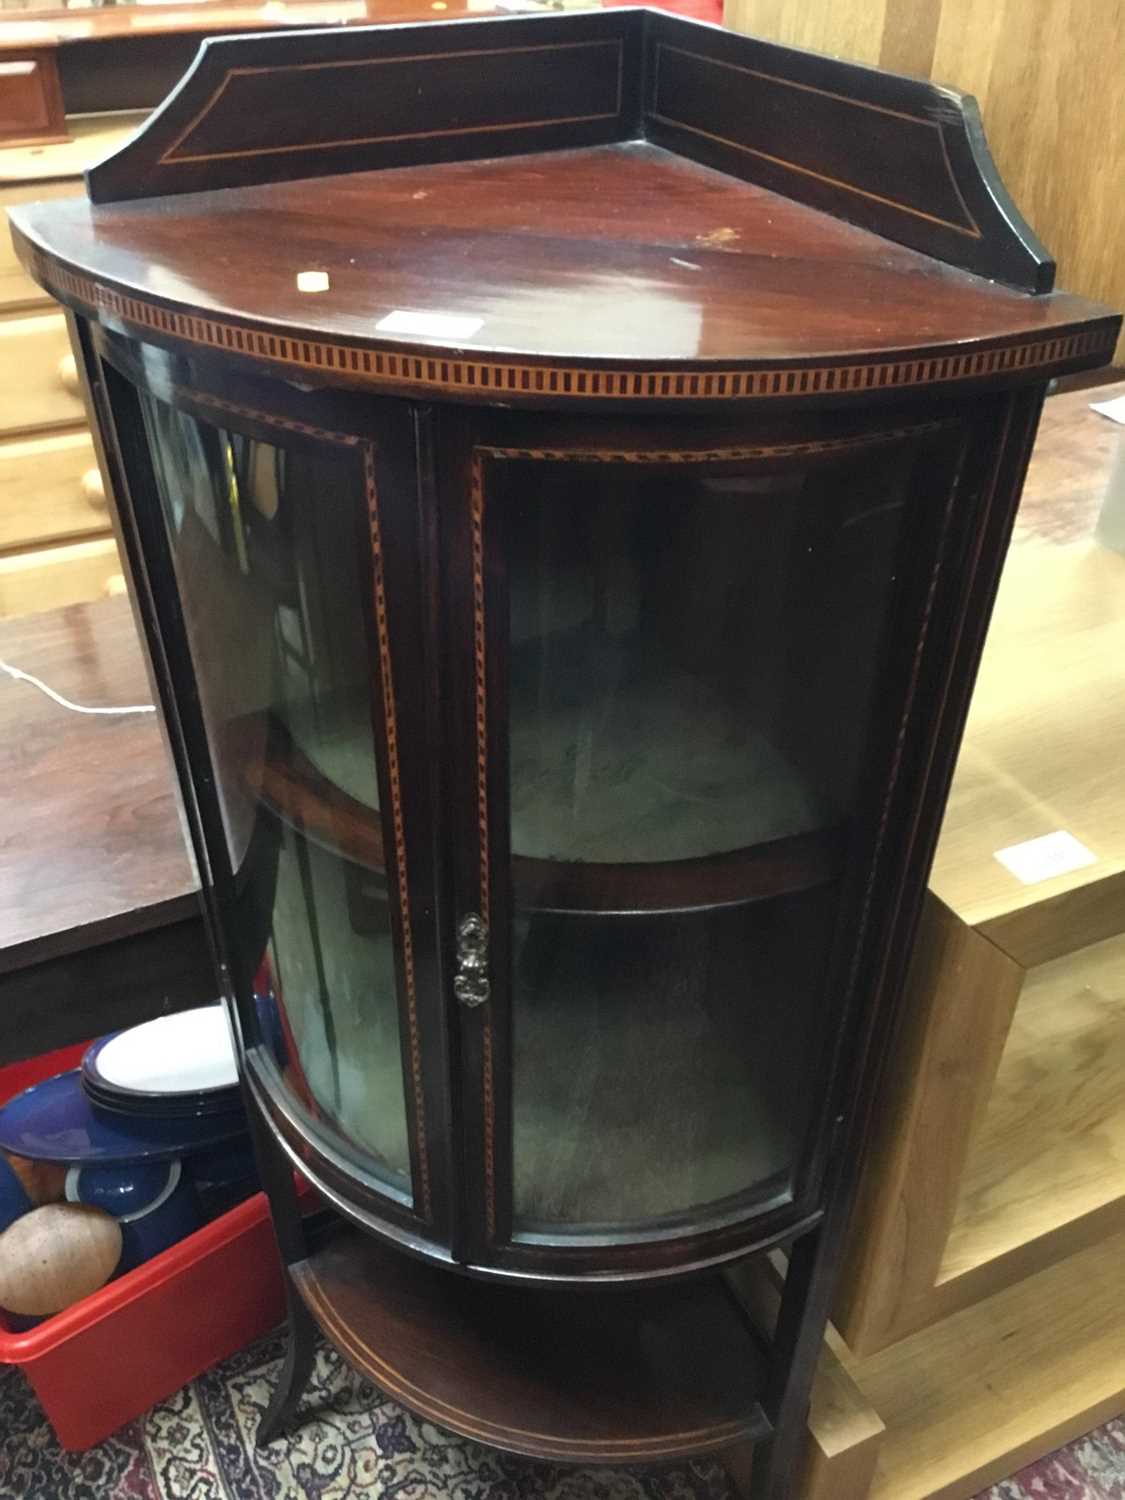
(1114, 409)
(1040, 859)
(434, 325)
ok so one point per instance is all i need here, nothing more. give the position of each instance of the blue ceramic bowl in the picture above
(14, 1202)
(123, 1191)
(149, 1224)
(55, 1121)
(222, 1165)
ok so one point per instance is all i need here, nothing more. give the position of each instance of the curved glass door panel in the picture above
(273, 565)
(329, 978)
(692, 651)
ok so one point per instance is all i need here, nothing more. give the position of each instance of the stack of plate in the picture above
(151, 1126)
(176, 1067)
(167, 1088)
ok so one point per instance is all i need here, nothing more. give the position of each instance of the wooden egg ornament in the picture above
(54, 1256)
(42, 1181)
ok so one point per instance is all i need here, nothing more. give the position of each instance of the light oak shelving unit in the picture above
(979, 1394)
(982, 1304)
(56, 537)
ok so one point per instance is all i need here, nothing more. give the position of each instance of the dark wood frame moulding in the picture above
(426, 373)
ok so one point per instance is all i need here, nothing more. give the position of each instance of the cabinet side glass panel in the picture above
(692, 661)
(264, 539)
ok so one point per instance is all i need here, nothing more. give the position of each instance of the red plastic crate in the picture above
(698, 10)
(107, 1359)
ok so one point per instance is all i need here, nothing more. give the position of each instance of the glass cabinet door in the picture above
(686, 659)
(270, 545)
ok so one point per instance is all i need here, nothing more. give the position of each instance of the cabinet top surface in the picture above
(621, 251)
(615, 191)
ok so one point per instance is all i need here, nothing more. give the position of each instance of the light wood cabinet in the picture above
(63, 575)
(973, 1398)
(17, 290)
(50, 490)
(38, 379)
(56, 545)
(985, 1260)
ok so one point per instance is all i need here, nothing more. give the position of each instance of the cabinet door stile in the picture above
(400, 642)
(473, 941)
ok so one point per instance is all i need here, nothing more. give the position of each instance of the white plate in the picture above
(176, 1054)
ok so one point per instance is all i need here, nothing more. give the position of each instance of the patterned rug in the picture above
(199, 1445)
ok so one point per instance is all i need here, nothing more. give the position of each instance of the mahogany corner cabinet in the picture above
(564, 464)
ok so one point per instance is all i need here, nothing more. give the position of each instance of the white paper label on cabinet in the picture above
(1040, 859)
(435, 325)
(1114, 410)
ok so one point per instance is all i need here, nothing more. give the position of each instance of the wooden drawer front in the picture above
(31, 103)
(54, 576)
(49, 488)
(30, 174)
(37, 387)
(16, 287)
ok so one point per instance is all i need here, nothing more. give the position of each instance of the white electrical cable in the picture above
(78, 708)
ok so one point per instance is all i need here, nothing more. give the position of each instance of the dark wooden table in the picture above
(99, 913)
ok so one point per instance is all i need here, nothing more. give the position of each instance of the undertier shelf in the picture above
(607, 1376)
(1046, 1172)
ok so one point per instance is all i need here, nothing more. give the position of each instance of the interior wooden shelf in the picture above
(973, 1398)
(1046, 1171)
(299, 792)
(1049, 702)
(611, 753)
(632, 1376)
